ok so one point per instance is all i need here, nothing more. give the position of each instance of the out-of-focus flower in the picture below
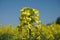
(28, 19)
(35, 11)
(33, 34)
(28, 14)
(36, 18)
(24, 13)
(29, 26)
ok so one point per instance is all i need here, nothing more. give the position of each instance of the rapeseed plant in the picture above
(30, 28)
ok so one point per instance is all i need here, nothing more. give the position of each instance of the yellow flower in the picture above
(28, 19)
(35, 11)
(36, 18)
(22, 10)
(15, 31)
(33, 34)
(29, 26)
(28, 14)
(24, 13)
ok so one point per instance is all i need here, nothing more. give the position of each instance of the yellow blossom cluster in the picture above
(51, 32)
(29, 15)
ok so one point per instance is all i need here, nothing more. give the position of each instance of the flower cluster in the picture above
(29, 15)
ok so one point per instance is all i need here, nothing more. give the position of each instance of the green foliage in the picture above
(58, 21)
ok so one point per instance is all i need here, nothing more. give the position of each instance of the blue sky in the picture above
(49, 10)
